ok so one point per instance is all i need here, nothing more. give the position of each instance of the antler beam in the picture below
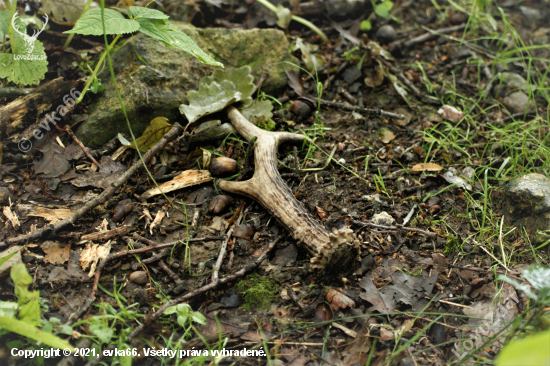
(329, 252)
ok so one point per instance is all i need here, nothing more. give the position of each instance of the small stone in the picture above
(386, 34)
(513, 80)
(139, 277)
(351, 74)
(528, 202)
(517, 102)
(531, 14)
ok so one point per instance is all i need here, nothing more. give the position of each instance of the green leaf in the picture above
(100, 328)
(366, 25)
(533, 350)
(90, 23)
(198, 317)
(241, 77)
(258, 112)
(5, 19)
(138, 11)
(210, 98)
(30, 331)
(284, 16)
(383, 9)
(7, 257)
(150, 28)
(181, 41)
(29, 307)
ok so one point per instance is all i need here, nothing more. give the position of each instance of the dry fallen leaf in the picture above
(55, 254)
(385, 135)
(12, 216)
(338, 300)
(156, 221)
(186, 179)
(52, 215)
(321, 213)
(426, 167)
(152, 134)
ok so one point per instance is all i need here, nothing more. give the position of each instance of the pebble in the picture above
(386, 34)
(139, 277)
(517, 102)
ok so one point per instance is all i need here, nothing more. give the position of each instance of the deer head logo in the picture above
(29, 40)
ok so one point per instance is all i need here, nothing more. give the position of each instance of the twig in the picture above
(75, 139)
(259, 83)
(218, 264)
(171, 273)
(501, 244)
(453, 304)
(212, 285)
(409, 216)
(492, 256)
(350, 108)
(396, 227)
(102, 198)
(425, 37)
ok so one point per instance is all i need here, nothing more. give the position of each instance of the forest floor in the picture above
(423, 195)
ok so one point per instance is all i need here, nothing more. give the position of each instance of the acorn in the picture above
(123, 208)
(222, 167)
(244, 231)
(300, 108)
(219, 204)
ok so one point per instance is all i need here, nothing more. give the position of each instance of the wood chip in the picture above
(52, 215)
(12, 216)
(92, 254)
(156, 221)
(186, 179)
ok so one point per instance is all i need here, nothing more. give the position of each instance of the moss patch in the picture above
(258, 292)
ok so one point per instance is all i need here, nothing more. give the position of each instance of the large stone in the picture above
(517, 102)
(157, 88)
(528, 204)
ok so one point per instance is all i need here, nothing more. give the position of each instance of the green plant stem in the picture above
(71, 36)
(298, 19)
(96, 70)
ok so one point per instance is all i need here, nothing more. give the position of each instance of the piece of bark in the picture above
(19, 118)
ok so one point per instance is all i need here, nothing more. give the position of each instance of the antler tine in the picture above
(268, 188)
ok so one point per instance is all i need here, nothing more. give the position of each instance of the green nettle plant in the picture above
(31, 70)
(152, 22)
(24, 61)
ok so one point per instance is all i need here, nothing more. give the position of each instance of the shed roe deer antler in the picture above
(330, 251)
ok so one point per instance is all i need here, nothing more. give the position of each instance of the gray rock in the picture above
(513, 81)
(386, 34)
(528, 203)
(517, 102)
(156, 89)
(531, 14)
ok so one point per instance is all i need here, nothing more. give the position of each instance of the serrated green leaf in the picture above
(150, 28)
(29, 307)
(241, 77)
(5, 19)
(210, 98)
(182, 41)
(100, 328)
(30, 331)
(90, 23)
(138, 11)
(258, 112)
